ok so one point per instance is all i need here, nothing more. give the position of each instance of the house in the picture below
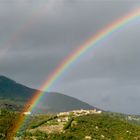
(27, 113)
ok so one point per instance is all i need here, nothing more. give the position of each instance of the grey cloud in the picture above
(40, 34)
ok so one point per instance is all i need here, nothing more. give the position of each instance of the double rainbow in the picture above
(91, 42)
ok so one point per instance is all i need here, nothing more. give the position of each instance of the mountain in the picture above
(10, 89)
(14, 96)
(56, 102)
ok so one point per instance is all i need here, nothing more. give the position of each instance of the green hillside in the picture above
(103, 126)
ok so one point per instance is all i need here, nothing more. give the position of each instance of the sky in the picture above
(36, 36)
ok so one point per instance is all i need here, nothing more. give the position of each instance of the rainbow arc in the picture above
(80, 51)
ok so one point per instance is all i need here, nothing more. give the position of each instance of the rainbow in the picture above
(91, 42)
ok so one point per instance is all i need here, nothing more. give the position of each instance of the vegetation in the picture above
(35, 125)
(7, 121)
(99, 126)
(68, 124)
(107, 126)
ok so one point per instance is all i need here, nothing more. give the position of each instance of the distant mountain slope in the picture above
(56, 102)
(12, 93)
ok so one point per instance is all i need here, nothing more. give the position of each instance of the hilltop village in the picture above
(64, 116)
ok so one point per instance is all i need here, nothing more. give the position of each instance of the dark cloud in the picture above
(37, 35)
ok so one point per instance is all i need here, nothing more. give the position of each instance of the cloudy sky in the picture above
(36, 36)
